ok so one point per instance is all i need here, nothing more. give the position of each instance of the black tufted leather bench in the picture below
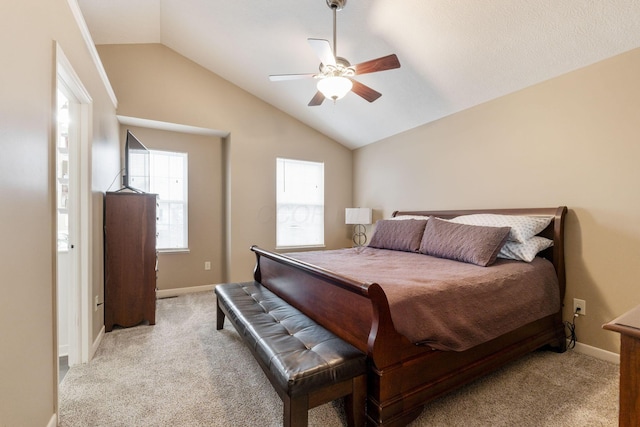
(306, 364)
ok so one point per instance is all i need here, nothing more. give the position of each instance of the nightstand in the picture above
(628, 325)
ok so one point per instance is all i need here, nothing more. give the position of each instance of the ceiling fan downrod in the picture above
(335, 6)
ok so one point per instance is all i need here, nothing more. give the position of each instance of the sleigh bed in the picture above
(410, 368)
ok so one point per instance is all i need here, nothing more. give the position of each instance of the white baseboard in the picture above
(53, 422)
(96, 343)
(167, 293)
(598, 353)
(63, 350)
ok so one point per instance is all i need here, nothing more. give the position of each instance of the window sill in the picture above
(174, 251)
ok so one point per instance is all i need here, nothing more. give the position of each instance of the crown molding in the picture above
(86, 35)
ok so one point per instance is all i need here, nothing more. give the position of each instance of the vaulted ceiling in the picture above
(454, 54)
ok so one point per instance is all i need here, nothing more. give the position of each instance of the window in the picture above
(300, 203)
(168, 179)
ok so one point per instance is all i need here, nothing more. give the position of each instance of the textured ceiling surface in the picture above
(454, 54)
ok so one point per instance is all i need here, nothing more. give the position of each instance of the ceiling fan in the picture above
(335, 78)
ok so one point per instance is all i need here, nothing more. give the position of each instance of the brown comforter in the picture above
(449, 305)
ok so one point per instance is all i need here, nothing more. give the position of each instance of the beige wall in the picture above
(569, 141)
(28, 29)
(206, 208)
(153, 82)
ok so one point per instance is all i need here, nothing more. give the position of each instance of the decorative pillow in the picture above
(522, 227)
(525, 251)
(461, 242)
(404, 235)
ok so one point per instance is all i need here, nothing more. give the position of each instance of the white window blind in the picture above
(168, 179)
(300, 203)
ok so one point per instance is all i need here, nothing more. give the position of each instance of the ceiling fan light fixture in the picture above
(336, 76)
(334, 87)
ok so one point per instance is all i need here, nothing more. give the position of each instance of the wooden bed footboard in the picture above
(357, 312)
(402, 377)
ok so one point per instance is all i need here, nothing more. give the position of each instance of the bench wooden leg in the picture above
(296, 411)
(219, 317)
(355, 403)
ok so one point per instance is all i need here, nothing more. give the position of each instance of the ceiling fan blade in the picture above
(388, 62)
(280, 77)
(365, 91)
(317, 99)
(323, 50)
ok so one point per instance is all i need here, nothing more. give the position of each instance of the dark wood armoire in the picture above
(130, 259)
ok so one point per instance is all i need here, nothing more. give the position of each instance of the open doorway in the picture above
(66, 218)
(72, 213)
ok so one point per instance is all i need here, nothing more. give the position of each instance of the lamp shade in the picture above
(357, 216)
(334, 87)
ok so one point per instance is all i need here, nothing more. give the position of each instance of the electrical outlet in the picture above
(580, 304)
(207, 265)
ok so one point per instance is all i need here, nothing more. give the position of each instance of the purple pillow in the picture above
(474, 244)
(398, 235)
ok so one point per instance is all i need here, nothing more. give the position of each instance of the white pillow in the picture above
(525, 251)
(522, 227)
(404, 217)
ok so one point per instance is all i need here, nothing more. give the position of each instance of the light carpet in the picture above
(182, 372)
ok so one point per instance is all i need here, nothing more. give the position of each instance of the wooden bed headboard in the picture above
(555, 231)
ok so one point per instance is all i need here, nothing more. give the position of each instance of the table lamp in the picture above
(358, 217)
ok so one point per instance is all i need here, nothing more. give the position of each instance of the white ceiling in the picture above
(454, 54)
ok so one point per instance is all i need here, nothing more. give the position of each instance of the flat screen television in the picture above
(136, 165)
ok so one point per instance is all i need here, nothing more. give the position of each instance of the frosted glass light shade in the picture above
(334, 87)
(357, 216)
